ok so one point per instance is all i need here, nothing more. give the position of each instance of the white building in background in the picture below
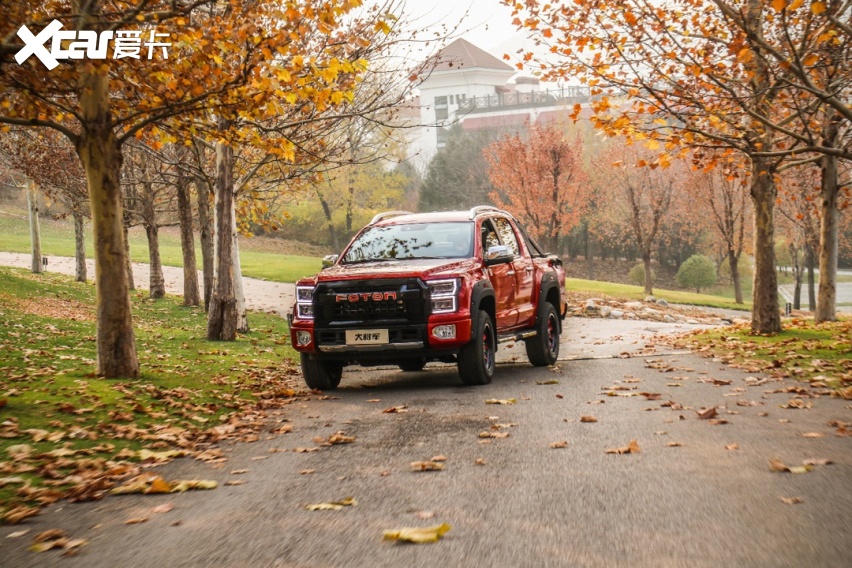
(476, 89)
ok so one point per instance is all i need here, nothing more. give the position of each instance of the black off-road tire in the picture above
(477, 358)
(319, 374)
(412, 365)
(543, 348)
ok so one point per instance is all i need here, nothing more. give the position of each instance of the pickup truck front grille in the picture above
(386, 301)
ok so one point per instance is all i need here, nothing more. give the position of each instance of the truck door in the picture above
(502, 278)
(522, 267)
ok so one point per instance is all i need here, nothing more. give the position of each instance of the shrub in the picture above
(697, 272)
(637, 275)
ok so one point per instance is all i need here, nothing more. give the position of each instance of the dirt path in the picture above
(270, 297)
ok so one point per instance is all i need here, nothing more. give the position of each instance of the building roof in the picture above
(462, 54)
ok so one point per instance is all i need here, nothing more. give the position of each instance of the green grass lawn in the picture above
(59, 419)
(630, 292)
(57, 238)
(803, 350)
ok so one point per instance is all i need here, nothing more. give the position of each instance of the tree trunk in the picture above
(335, 244)
(239, 292)
(187, 243)
(826, 306)
(100, 155)
(205, 229)
(797, 277)
(126, 221)
(809, 258)
(35, 229)
(649, 280)
(222, 315)
(79, 247)
(734, 263)
(765, 317)
(156, 280)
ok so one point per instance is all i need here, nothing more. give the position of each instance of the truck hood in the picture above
(422, 268)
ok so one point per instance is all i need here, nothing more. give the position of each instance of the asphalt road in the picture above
(697, 504)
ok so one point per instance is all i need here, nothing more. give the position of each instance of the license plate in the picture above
(366, 336)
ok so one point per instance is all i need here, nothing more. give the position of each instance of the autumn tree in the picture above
(216, 50)
(539, 177)
(724, 195)
(638, 196)
(686, 88)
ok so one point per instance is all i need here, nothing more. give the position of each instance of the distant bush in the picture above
(637, 275)
(697, 272)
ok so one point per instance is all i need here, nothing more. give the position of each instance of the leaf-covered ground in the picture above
(819, 354)
(66, 433)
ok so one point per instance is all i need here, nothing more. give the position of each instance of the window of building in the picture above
(441, 112)
(443, 134)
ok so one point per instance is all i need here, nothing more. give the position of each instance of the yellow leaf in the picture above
(332, 506)
(417, 535)
(818, 8)
(779, 5)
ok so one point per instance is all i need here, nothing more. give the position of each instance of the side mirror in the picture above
(498, 254)
(329, 260)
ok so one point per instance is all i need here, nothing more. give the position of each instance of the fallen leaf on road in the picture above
(136, 520)
(51, 534)
(777, 465)
(588, 419)
(548, 382)
(732, 447)
(164, 508)
(493, 434)
(479, 461)
(340, 438)
(651, 395)
(707, 413)
(283, 429)
(631, 448)
(718, 421)
(797, 403)
(501, 401)
(332, 506)
(374, 400)
(424, 514)
(417, 535)
(307, 471)
(439, 459)
(427, 466)
(792, 500)
(18, 534)
(813, 435)
(816, 461)
(395, 409)
(18, 514)
(239, 471)
(232, 482)
(561, 444)
(305, 450)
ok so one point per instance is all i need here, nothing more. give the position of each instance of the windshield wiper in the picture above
(367, 260)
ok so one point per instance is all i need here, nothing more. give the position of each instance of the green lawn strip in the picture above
(62, 427)
(592, 288)
(820, 354)
(57, 238)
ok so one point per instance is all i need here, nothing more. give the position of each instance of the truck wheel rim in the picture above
(487, 352)
(552, 334)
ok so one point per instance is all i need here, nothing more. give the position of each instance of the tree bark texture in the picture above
(187, 243)
(79, 248)
(239, 291)
(156, 280)
(734, 264)
(765, 316)
(811, 262)
(205, 229)
(100, 155)
(826, 306)
(222, 315)
(128, 261)
(35, 229)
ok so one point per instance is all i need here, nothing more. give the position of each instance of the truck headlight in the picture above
(305, 302)
(445, 295)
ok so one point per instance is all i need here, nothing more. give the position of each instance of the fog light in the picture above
(303, 337)
(444, 331)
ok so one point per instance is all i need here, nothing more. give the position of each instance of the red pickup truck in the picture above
(413, 288)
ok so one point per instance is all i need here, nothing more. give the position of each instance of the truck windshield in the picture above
(411, 241)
